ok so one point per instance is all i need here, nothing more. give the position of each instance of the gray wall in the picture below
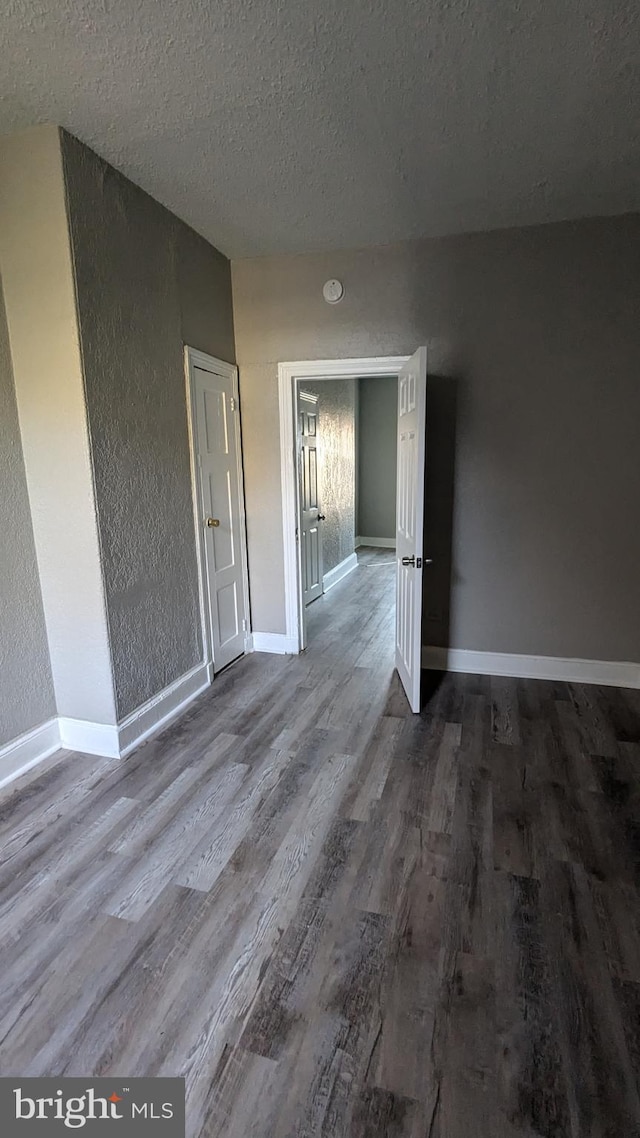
(336, 407)
(377, 442)
(26, 687)
(146, 284)
(537, 335)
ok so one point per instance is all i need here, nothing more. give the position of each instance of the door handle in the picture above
(322, 518)
(417, 561)
(213, 522)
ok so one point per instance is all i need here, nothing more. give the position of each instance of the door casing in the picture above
(288, 375)
(192, 359)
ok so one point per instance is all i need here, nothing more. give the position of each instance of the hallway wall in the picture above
(376, 446)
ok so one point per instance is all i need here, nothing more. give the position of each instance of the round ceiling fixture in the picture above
(333, 291)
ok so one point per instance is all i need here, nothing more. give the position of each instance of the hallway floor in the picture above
(334, 917)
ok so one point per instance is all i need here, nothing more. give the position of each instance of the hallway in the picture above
(334, 917)
(369, 593)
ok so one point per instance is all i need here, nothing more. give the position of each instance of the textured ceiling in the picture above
(305, 124)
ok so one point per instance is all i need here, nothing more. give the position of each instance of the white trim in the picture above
(190, 359)
(194, 358)
(377, 542)
(28, 749)
(611, 673)
(90, 738)
(294, 620)
(273, 642)
(158, 711)
(339, 572)
(108, 740)
(115, 741)
(288, 373)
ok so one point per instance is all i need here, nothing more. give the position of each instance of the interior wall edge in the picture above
(36, 258)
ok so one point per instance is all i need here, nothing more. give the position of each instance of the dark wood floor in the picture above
(334, 917)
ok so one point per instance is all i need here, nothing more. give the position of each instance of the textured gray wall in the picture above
(536, 331)
(336, 405)
(145, 285)
(377, 443)
(26, 687)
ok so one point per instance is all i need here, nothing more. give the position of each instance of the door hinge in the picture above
(234, 403)
(244, 626)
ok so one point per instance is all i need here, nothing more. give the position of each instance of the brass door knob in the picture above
(213, 522)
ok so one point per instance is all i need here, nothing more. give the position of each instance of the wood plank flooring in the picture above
(333, 917)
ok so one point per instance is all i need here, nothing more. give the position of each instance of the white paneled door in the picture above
(412, 408)
(217, 441)
(310, 516)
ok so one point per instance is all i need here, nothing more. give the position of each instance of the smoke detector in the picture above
(333, 291)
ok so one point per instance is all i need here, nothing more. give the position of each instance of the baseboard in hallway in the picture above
(339, 572)
(376, 542)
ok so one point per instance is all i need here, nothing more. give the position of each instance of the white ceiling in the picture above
(291, 125)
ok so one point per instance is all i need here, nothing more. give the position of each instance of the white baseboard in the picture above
(274, 642)
(89, 738)
(611, 673)
(109, 740)
(158, 711)
(339, 572)
(378, 542)
(24, 752)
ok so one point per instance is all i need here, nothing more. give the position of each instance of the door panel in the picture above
(412, 403)
(220, 498)
(310, 532)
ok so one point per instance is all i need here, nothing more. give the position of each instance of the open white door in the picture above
(217, 449)
(310, 516)
(412, 422)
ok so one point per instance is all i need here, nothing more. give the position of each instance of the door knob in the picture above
(213, 522)
(322, 518)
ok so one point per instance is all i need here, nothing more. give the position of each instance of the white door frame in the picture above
(288, 374)
(194, 358)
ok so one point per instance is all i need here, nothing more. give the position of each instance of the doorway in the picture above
(219, 511)
(346, 439)
(410, 373)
